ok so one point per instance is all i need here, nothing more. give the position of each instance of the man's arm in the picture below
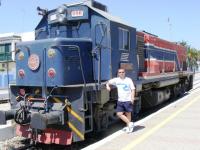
(110, 82)
(108, 86)
(132, 86)
(133, 95)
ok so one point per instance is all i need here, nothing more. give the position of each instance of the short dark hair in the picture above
(121, 69)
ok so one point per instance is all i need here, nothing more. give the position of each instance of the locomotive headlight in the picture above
(62, 10)
(62, 14)
(51, 72)
(33, 62)
(53, 17)
(62, 18)
(59, 16)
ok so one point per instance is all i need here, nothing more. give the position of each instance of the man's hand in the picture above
(108, 87)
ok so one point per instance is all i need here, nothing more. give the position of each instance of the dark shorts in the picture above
(124, 107)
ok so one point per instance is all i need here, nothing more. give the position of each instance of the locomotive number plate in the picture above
(77, 13)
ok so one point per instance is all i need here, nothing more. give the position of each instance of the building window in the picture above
(124, 39)
(5, 52)
(3, 65)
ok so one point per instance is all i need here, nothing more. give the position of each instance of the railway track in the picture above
(19, 143)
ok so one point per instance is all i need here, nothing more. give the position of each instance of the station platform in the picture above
(175, 127)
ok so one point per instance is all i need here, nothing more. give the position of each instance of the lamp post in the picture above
(7, 67)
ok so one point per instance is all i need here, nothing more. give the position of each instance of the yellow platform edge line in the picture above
(130, 146)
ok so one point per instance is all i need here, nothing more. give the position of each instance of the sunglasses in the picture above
(120, 72)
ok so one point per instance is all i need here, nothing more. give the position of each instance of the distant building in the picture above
(7, 55)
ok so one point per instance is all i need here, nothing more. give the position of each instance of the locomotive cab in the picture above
(92, 21)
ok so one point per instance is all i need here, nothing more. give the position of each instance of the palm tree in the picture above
(193, 56)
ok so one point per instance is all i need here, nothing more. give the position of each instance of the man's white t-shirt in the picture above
(124, 88)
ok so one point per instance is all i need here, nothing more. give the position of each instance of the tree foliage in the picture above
(193, 56)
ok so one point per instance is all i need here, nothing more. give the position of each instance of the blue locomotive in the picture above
(60, 93)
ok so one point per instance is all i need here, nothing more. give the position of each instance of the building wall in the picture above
(9, 67)
(4, 78)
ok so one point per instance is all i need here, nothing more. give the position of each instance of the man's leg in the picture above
(128, 115)
(130, 124)
(123, 117)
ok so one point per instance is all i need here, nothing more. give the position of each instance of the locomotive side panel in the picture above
(123, 42)
(162, 56)
(101, 51)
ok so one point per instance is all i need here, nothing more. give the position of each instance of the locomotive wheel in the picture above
(182, 90)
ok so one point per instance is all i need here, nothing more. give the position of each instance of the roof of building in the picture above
(9, 37)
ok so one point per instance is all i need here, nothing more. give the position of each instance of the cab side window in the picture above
(124, 39)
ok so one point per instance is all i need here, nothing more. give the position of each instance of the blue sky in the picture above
(149, 15)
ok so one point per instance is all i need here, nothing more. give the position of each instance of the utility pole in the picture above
(170, 28)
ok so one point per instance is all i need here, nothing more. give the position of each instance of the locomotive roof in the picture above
(102, 13)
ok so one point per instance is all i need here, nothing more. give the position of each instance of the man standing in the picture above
(126, 94)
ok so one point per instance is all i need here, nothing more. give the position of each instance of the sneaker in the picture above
(130, 127)
(129, 130)
(131, 124)
(125, 129)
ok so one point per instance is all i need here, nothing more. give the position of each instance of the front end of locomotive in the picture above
(44, 105)
(51, 102)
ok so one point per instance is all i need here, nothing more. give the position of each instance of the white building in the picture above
(7, 55)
